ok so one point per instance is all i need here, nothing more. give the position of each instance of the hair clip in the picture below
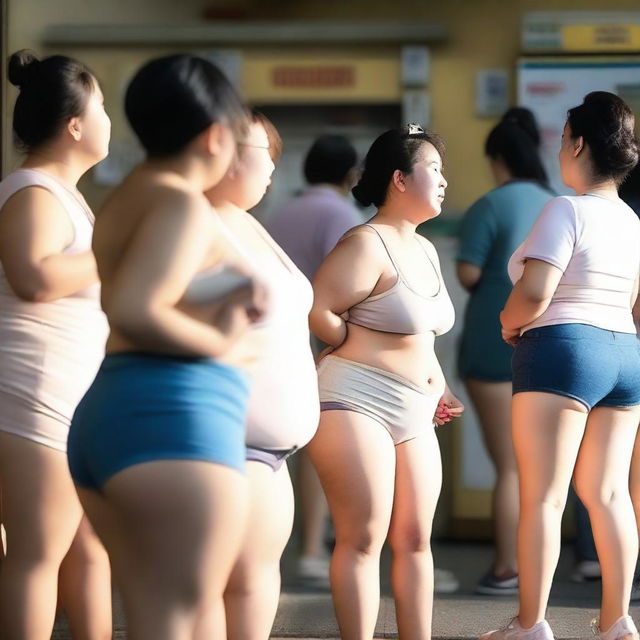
(414, 129)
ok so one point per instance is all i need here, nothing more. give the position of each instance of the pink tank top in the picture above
(50, 351)
(400, 309)
(284, 408)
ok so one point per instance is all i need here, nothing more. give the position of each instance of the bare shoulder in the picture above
(35, 207)
(362, 244)
(362, 238)
(32, 199)
(159, 196)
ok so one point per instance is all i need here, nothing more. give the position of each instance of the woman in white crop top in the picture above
(380, 301)
(52, 336)
(576, 368)
(283, 408)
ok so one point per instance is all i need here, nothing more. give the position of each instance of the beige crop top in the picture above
(400, 309)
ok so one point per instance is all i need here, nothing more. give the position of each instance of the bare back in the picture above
(152, 236)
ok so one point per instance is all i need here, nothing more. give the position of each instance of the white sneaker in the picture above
(313, 569)
(622, 629)
(445, 581)
(513, 631)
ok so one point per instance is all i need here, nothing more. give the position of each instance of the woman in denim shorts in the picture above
(576, 368)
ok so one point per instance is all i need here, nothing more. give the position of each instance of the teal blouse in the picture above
(492, 229)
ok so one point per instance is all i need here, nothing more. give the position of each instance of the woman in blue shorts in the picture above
(576, 368)
(156, 447)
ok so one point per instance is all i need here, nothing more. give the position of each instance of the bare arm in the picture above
(531, 295)
(347, 276)
(34, 231)
(169, 247)
(468, 274)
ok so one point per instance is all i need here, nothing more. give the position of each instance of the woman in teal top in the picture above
(492, 229)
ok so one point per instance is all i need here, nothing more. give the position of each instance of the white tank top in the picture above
(284, 408)
(50, 351)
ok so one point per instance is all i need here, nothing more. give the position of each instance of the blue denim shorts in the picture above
(595, 366)
(144, 407)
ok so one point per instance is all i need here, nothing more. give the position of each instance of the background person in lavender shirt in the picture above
(307, 228)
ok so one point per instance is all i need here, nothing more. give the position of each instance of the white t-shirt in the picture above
(595, 241)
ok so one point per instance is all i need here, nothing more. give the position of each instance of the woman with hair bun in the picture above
(52, 337)
(379, 302)
(576, 368)
(156, 447)
(492, 229)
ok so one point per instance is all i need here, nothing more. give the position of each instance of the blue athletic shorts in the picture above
(595, 366)
(143, 407)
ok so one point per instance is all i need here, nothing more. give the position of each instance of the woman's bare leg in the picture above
(251, 597)
(492, 402)
(85, 586)
(41, 514)
(602, 483)
(355, 459)
(313, 509)
(418, 482)
(547, 431)
(173, 531)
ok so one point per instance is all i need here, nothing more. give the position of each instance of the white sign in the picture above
(415, 66)
(492, 92)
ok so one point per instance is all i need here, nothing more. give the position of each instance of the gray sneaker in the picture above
(492, 585)
(513, 631)
(622, 629)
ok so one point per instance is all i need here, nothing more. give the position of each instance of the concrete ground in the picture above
(307, 613)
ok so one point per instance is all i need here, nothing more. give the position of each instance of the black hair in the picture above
(52, 91)
(515, 140)
(171, 100)
(606, 123)
(329, 160)
(396, 149)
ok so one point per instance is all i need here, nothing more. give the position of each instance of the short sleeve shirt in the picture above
(595, 242)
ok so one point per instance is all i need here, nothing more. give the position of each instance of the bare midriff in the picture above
(409, 356)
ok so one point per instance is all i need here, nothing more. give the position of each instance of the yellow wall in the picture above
(482, 34)
(376, 78)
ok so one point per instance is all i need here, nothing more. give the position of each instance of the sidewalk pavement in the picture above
(307, 613)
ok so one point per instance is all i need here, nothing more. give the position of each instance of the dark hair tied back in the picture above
(52, 91)
(515, 141)
(523, 118)
(22, 66)
(396, 149)
(606, 123)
